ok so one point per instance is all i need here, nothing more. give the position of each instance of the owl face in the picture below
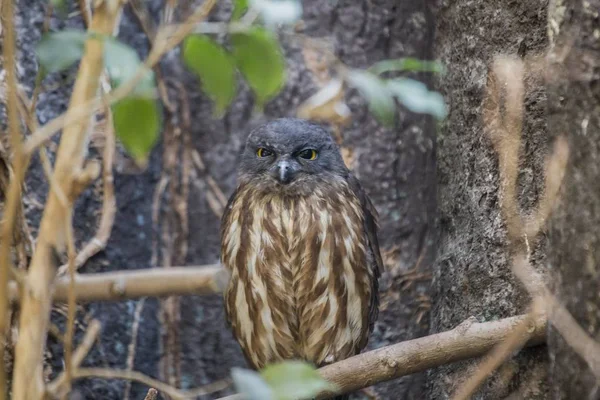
(290, 155)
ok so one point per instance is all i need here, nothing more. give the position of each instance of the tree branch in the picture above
(151, 282)
(60, 386)
(417, 355)
(148, 381)
(13, 197)
(468, 340)
(28, 381)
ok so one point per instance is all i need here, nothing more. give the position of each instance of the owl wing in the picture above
(371, 227)
(225, 223)
(227, 211)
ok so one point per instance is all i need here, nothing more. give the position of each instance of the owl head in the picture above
(291, 155)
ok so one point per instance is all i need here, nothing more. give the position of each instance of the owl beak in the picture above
(284, 172)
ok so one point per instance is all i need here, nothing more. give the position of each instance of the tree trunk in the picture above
(472, 276)
(574, 253)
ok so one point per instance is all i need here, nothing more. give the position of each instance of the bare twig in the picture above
(71, 308)
(141, 12)
(152, 394)
(155, 282)
(391, 362)
(554, 172)
(13, 200)
(39, 75)
(505, 134)
(133, 343)
(146, 380)
(59, 387)
(166, 39)
(417, 355)
(35, 309)
(109, 204)
(579, 340)
(517, 338)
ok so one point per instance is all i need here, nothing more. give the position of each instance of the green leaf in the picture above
(214, 67)
(406, 64)
(61, 6)
(57, 51)
(275, 12)
(381, 102)
(239, 9)
(259, 58)
(122, 62)
(137, 122)
(417, 98)
(251, 384)
(292, 380)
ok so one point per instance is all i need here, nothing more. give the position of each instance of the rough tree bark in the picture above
(574, 254)
(472, 275)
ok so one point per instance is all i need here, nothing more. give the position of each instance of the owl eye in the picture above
(262, 152)
(308, 154)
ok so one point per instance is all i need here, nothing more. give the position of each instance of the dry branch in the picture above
(148, 381)
(109, 203)
(417, 355)
(166, 40)
(506, 136)
(60, 386)
(152, 394)
(135, 327)
(579, 340)
(468, 340)
(153, 282)
(36, 300)
(13, 199)
(517, 338)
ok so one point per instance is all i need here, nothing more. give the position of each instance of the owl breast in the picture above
(300, 282)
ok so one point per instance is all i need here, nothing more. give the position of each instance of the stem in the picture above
(13, 199)
(28, 381)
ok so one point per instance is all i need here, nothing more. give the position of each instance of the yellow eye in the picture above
(262, 152)
(308, 154)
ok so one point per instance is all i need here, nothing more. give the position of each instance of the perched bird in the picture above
(299, 238)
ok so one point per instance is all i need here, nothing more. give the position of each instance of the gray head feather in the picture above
(287, 143)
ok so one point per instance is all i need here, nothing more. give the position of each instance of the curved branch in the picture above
(405, 358)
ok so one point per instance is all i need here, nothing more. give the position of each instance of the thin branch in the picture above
(59, 387)
(579, 340)
(417, 355)
(468, 340)
(35, 311)
(506, 138)
(148, 381)
(71, 307)
(109, 203)
(13, 200)
(152, 394)
(152, 282)
(517, 338)
(133, 343)
(166, 40)
(554, 172)
(505, 134)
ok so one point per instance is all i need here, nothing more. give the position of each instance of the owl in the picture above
(299, 239)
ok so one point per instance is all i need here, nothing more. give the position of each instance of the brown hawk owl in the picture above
(299, 238)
